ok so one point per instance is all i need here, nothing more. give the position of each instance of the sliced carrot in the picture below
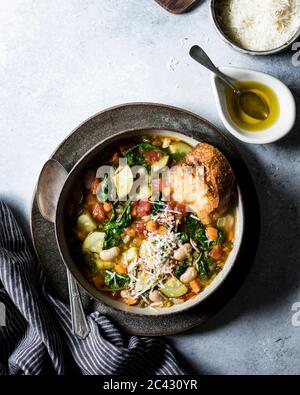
(120, 269)
(133, 212)
(107, 207)
(162, 230)
(195, 285)
(151, 226)
(131, 301)
(230, 235)
(212, 233)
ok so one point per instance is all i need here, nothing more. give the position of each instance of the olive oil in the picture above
(239, 116)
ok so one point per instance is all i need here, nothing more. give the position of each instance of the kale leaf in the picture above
(116, 281)
(114, 226)
(184, 237)
(180, 269)
(204, 263)
(178, 156)
(220, 238)
(134, 155)
(195, 230)
(157, 204)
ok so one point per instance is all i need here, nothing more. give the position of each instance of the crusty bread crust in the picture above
(218, 177)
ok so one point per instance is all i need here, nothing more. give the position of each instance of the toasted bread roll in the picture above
(213, 185)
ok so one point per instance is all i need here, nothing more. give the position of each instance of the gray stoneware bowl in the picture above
(64, 242)
(214, 17)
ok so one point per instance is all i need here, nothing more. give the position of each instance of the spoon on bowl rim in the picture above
(50, 183)
(251, 104)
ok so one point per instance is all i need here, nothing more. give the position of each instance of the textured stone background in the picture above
(61, 61)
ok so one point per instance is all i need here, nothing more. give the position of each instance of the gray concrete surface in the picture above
(63, 60)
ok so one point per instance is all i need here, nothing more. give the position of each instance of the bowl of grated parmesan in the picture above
(257, 27)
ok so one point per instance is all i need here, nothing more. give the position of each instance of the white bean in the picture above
(166, 142)
(110, 255)
(189, 275)
(155, 296)
(182, 252)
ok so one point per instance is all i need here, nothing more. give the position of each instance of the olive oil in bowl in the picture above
(240, 118)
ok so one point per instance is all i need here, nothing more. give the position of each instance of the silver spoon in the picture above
(50, 183)
(250, 102)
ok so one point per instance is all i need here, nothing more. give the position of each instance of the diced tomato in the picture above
(171, 204)
(95, 185)
(114, 160)
(180, 208)
(152, 156)
(143, 208)
(98, 212)
(217, 253)
(141, 229)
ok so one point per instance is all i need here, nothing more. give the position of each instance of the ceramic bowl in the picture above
(279, 129)
(65, 244)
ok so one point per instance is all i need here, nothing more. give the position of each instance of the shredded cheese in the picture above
(260, 25)
(155, 259)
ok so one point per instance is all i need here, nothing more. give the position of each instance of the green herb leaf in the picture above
(178, 156)
(143, 146)
(116, 281)
(184, 237)
(195, 230)
(134, 155)
(181, 269)
(220, 238)
(204, 264)
(157, 205)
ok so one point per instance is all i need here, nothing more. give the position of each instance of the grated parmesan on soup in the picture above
(259, 25)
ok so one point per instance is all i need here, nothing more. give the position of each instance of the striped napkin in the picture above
(37, 336)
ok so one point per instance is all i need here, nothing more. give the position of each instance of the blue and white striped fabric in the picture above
(37, 337)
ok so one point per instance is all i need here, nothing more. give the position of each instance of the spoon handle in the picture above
(198, 54)
(80, 325)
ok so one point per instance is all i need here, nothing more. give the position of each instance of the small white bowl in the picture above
(279, 129)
